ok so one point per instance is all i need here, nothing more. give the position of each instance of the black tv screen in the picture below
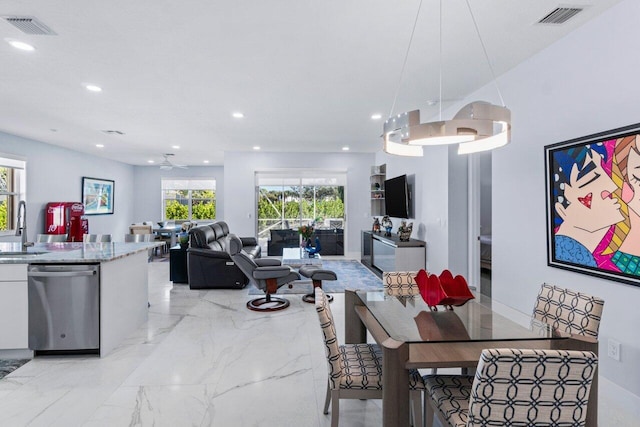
(396, 197)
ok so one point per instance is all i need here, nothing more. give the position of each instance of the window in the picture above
(290, 199)
(189, 199)
(12, 189)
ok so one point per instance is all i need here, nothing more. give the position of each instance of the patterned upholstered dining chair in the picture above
(569, 311)
(515, 387)
(355, 370)
(400, 283)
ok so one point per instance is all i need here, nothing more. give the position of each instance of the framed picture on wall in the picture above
(593, 204)
(97, 196)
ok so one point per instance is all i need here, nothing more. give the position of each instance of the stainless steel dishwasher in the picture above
(64, 308)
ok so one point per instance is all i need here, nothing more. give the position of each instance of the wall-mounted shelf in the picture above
(376, 181)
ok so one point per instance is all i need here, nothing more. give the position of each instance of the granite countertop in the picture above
(78, 253)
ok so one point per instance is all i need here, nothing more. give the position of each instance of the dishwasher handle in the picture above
(61, 273)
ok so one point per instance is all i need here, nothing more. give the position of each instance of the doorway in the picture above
(480, 220)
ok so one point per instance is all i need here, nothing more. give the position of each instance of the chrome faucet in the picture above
(21, 225)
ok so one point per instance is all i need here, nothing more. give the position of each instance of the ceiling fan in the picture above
(168, 165)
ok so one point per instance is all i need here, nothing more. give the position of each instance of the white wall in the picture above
(55, 174)
(583, 84)
(148, 190)
(239, 186)
(458, 212)
(431, 200)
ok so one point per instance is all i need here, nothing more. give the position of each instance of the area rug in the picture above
(351, 275)
(9, 365)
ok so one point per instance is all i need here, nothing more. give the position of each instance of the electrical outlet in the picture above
(613, 349)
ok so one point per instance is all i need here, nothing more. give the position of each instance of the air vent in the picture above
(560, 15)
(113, 132)
(29, 25)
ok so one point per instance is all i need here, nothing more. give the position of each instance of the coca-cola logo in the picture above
(77, 207)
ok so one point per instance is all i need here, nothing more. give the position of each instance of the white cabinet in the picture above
(391, 254)
(388, 253)
(14, 319)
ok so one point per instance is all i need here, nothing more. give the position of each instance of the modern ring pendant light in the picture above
(478, 126)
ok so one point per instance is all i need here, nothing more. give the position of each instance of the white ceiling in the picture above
(308, 75)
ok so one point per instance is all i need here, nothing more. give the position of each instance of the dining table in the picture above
(170, 230)
(413, 336)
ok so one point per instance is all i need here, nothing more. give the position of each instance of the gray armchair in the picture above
(267, 274)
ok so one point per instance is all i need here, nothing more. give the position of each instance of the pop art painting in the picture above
(593, 204)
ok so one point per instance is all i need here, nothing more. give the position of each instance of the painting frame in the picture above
(592, 203)
(98, 196)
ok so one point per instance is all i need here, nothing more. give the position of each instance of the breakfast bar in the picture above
(120, 274)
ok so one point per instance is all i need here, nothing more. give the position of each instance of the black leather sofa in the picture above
(208, 262)
(331, 240)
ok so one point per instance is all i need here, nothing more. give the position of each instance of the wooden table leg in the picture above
(395, 384)
(354, 330)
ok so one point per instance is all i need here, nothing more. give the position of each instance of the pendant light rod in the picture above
(406, 56)
(478, 126)
(486, 56)
(440, 60)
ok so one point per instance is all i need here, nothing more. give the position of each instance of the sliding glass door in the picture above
(287, 200)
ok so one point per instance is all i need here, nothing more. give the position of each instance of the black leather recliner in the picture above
(208, 262)
(267, 274)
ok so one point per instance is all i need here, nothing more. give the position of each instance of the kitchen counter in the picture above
(70, 252)
(123, 281)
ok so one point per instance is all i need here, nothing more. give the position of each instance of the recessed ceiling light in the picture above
(345, 148)
(238, 115)
(21, 45)
(93, 88)
(205, 161)
(376, 116)
(256, 147)
(150, 161)
(175, 147)
(100, 145)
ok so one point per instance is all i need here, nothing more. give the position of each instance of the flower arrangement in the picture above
(306, 231)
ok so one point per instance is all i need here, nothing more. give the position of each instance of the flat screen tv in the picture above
(396, 197)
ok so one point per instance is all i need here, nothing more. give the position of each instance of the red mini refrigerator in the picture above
(66, 218)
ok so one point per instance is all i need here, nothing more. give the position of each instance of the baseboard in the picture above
(16, 354)
(616, 405)
(511, 313)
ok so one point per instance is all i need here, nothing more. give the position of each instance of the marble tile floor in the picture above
(202, 359)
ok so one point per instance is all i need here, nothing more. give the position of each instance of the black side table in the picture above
(178, 264)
